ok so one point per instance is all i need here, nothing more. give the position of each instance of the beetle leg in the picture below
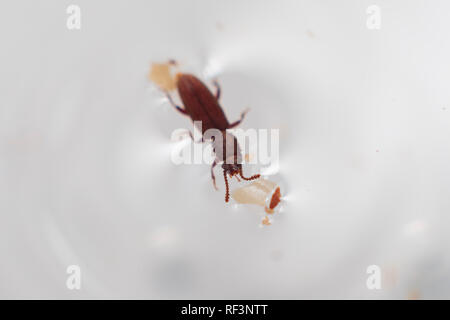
(236, 123)
(216, 84)
(213, 177)
(175, 106)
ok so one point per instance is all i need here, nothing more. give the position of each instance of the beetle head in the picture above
(232, 168)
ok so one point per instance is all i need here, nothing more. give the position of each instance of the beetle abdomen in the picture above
(200, 103)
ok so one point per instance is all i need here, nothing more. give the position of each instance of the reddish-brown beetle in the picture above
(203, 107)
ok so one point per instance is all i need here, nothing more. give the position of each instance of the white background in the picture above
(85, 170)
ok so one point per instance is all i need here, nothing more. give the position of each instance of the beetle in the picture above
(203, 107)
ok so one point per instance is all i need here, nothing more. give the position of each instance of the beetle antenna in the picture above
(227, 194)
(256, 176)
